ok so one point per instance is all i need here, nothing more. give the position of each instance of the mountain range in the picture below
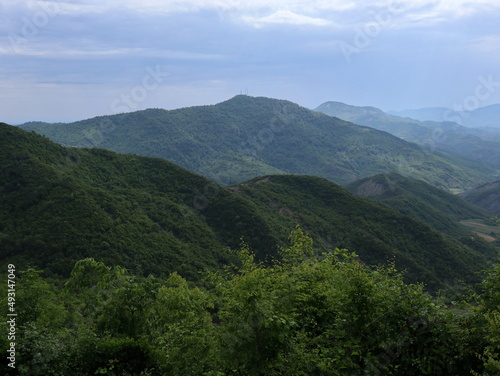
(246, 137)
(60, 204)
(472, 147)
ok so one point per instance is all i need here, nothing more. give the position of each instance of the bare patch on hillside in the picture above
(370, 188)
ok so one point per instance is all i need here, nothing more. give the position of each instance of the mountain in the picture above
(435, 207)
(486, 196)
(58, 205)
(482, 117)
(473, 148)
(245, 137)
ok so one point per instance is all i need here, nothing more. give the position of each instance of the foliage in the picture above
(490, 309)
(299, 315)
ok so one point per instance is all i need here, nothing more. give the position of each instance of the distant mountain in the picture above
(486, 196)
(407, 129)
(482, 117)
(435, 207)
(58, 205)
(245, 137)
(474, 148)
(438, 114)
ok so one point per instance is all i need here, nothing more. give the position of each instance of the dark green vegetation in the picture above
(246, 137)
(299, 315)
(466, 147)
(336, 218)
(486, 196)
(58, 205)
(437, 208)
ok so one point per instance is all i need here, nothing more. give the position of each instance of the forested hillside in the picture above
(167, 267)
(376, 232)
(59, 205)
(437, 208)
(245, 137)
(486, 196)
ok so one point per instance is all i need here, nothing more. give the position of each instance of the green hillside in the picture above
(486, 196)
(435, 207)
(246, 137)
(58, 205)
(336, 218)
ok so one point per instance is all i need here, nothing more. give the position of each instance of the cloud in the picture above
(286, 17)
(72, 53)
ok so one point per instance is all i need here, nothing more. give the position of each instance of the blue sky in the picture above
(75, 59)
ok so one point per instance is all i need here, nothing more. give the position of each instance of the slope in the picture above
(336, 218)
(59, 205)
(433, 206)
(486, 196)
(245, 137)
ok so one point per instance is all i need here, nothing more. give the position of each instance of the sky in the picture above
(69, 60)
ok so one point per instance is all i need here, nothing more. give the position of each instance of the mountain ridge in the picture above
(245, 137)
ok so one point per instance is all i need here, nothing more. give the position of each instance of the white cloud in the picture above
(286, 17)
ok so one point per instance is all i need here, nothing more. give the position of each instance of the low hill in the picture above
(58, 205)
(245, 137)
(486, 196)
(437, 208)
(466, 147)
